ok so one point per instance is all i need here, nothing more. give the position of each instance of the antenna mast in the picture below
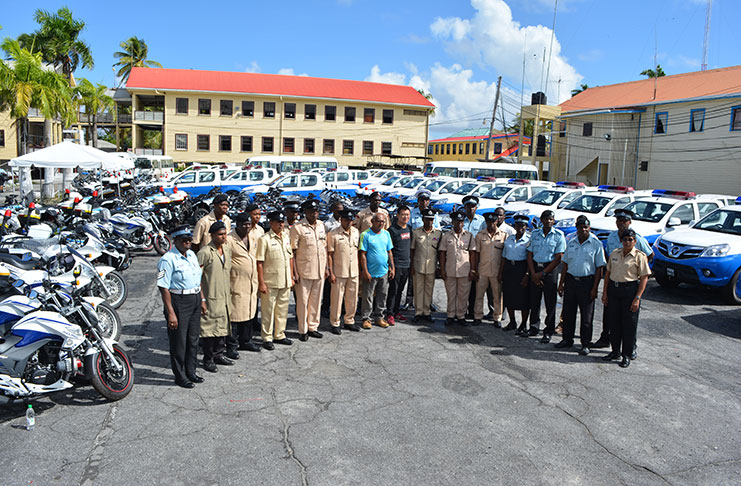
(708, 10)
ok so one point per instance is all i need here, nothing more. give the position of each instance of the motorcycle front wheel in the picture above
(162, 244)
(110, 323)
(117, 289)
(113, 385)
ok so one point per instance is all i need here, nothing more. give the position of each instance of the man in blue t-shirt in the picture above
(376, 267)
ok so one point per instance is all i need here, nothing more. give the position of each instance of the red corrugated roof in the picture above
(525, 140)
(274, 84)
(698, 84)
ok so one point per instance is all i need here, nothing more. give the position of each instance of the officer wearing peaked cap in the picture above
(344, 272)
(473, 223)
(486, 261)
(179, 281)
(291, 214)
(201, 235)
(423, 204)
(455, 267)
(425, 243)
(514, 275)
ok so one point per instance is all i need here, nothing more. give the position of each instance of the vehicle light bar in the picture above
(673, 194)
(406, 172)
(486, 178)
(431, 174)
(621, 189)
(570, 184)
(296, 171)
(521, 182)
(738, 200)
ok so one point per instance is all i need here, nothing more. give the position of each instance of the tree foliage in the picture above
(134, 54)
(581, 88)
(515, 126)
(94, 99)
(654, 74)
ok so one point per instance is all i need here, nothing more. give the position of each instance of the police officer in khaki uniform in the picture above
(309, 245)
(455, 268)
(425, 243)
(215, 260)
(291, 209)
(486, 262)
(201, 236)
(344, 272)
(364, 218)
(274, 281)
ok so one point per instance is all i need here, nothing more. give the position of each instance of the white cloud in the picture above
(290, 72)
(492, 38)
(387, 78)
(252, 68)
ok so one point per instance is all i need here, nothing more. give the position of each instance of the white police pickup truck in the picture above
(515, 190)
(292, 184)
(552, 198)
(476, 188)
(201, 180)
(598, 204)
(664, 211)
(706, 253)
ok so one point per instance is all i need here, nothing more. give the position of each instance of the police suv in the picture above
(706, 253)
(476, 188)
(515, 190)
(552, 198)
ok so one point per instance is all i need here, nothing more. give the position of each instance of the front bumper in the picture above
(720, 269)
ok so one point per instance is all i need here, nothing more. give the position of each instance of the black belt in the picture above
(623, 284)
(578, 279)
(515, 262)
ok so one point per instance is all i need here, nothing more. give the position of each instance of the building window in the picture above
(437, 149)
(386, 148)
(226, 107)
(2, 138)
(268, 111)
(447, 149)
(473, 148)
(290, 110)
(660, 124)
(204, 107)
(415, 112)
(369, 115)
(429, 150)
(455, 147)
(586, 130)
(368, 147)
(267, 144)
(246, 143)
(330, 113)
(181, 106)
(347, 147)
(225, 143)
(468, 148)
(497, 148)
(481, 147)
(328, 146)
(388, 117)
(288, 145)
(350, 114)
(735, 118)
(562, 130)
(181, 141)
(460, 149)
(308, 145)
(697, 120)
(204, 143)
(248, 109)
(310, 112)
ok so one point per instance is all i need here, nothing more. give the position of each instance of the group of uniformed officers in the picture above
(211, 279)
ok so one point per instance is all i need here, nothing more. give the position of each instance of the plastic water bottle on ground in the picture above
(30, 418)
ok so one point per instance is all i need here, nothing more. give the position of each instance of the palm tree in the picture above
(427, 96)
(134, 54)
(581, 88)
(654, 74)
(95, 100)
(58, 41)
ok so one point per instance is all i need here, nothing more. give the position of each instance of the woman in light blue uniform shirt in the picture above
(513, 274)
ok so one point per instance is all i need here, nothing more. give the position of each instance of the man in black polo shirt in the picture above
(401, 237)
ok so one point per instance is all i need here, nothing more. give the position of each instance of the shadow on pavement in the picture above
(725, 322)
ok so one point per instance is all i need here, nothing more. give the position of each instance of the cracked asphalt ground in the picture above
(408, 405)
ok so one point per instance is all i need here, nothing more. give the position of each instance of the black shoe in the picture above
(433, 308)
(545, 339)
(564, 344)
(498, 324)
(477, 322)
(584, 351)
(352, 327)
(268, 345)
(210, 366)
(249, 347)
(196, 379)
(223, 360)
(185, 384)
(336, 330)
(625, 362)
(461, 322)
(489, 316)
(634, 355)
(468, 317)
(534, 331)
(284, 341)
(232, 354)
(449, 321)
(315, 334)
(511, 327)
(600, 343)
(303, 337)
(611, 356)
(418, 318)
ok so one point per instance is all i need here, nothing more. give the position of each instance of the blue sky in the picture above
(454, 49)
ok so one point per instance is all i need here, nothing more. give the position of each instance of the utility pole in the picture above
(708, 11)
(493, 113)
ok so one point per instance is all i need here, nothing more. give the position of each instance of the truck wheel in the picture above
(733, 289)
(666, 282)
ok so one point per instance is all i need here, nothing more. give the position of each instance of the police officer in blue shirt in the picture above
(583, 264)
(423, 203)
(547, 245)
(623, 218)
(514, 275)
(473, 223)
(179, 281)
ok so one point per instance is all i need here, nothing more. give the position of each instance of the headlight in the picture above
(441, 201)
(523, 211)
(566, 223)
(716, 250)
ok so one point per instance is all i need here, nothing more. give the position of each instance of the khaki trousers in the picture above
(309, 303)
(481, 285)
(424, 284)
(274, 309)
(457, 290)
(343, 290)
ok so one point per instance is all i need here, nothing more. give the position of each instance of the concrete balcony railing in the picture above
(148, 151)
(149, 116)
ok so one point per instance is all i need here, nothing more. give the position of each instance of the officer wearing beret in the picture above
(455, 267)
(274, 281)
(425, 243)
(583, 263)
(201, 236)
(309, 245)
(179, 281)
(544, 253)
(215, 260)
(344, 272)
